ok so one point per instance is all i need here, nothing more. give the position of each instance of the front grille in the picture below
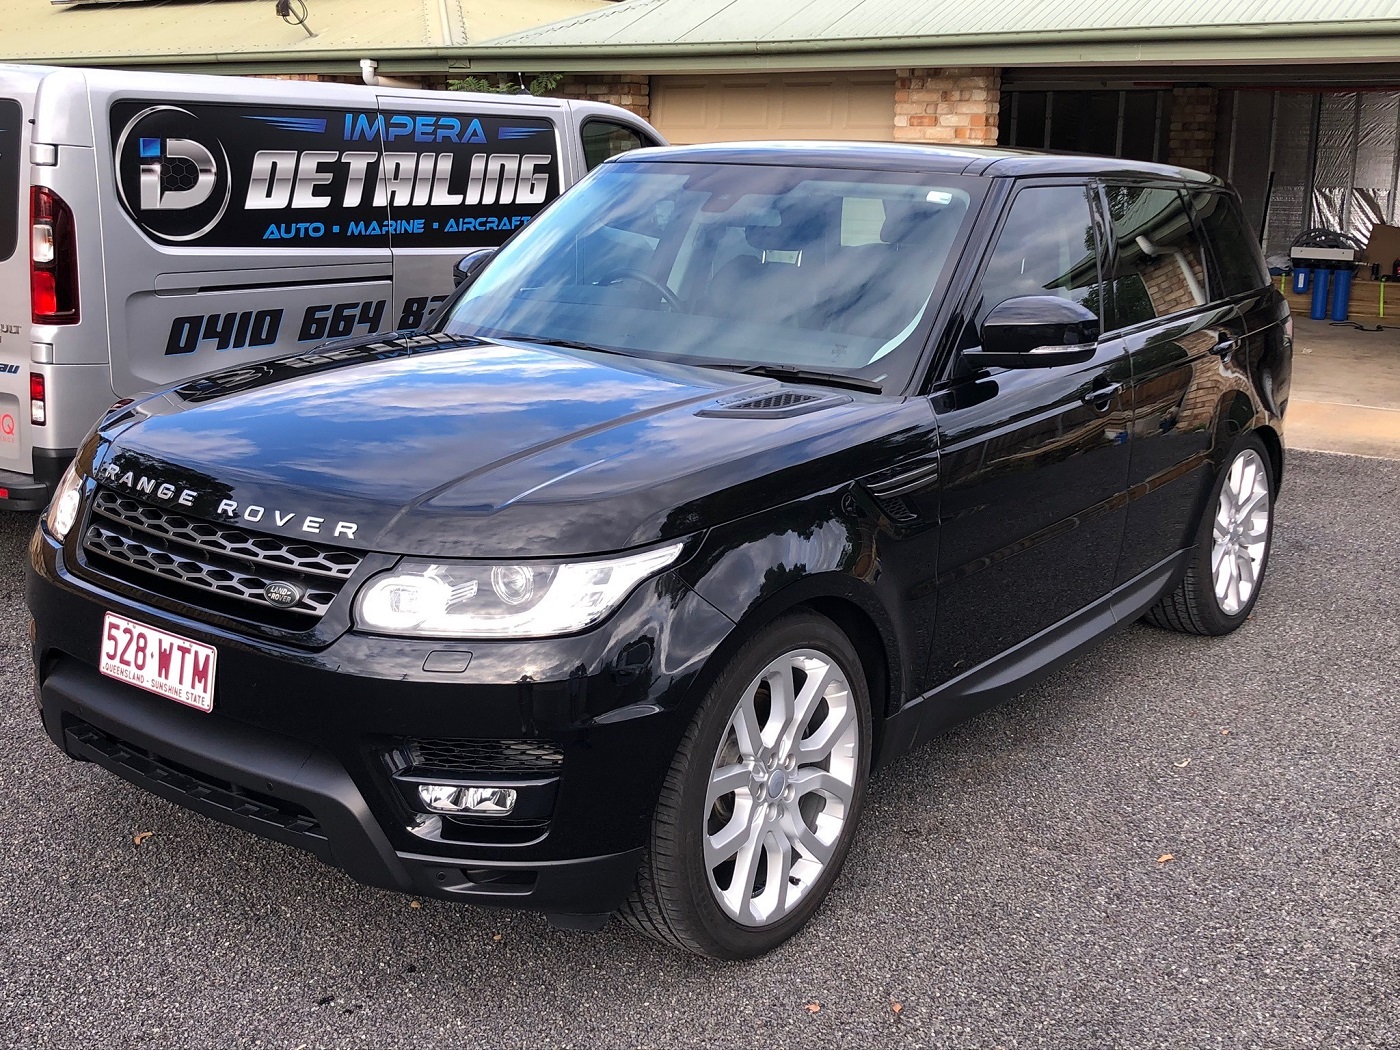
(149, 769)
(484, 756)
(174, 555)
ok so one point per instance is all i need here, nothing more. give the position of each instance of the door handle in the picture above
(1225, 346)
(1100, 396)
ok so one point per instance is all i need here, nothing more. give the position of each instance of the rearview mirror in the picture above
(1036, 331)
(469, 266)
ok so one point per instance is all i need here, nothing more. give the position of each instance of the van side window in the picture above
(1237, 255)
(1046, 247)
(603, 139)
(1159, 269)
(11, 128)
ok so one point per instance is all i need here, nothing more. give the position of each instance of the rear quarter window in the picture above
(11, 132)
(1237, 254)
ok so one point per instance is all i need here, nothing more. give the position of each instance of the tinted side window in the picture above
(11, 121)
(1237, 254)
(603, 139)
(1047, 247)
(1160, 269)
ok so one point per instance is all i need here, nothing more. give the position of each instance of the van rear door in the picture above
(236, 230)
(16, 99)
(463, 174)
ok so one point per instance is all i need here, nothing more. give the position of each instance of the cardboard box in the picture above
(1383, 247)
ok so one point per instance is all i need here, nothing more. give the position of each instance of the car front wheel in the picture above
(760, 805)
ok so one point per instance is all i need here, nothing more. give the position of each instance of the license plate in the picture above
(168, 665)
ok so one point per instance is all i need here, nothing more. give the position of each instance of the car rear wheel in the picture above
(1227, 566)
(760, 805)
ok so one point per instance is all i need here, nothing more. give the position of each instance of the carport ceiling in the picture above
(1311, 77)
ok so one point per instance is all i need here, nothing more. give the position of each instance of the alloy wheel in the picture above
(781, 787)
(1241, 532)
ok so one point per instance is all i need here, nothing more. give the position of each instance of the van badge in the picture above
(283, 595)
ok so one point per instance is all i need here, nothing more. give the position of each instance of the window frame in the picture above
(964, 319)
(1207, 256)
(643, 138)
(1217, 282)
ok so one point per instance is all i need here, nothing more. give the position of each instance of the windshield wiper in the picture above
(807, 375)
(567, 344)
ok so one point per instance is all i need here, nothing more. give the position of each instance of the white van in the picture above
(155, 227)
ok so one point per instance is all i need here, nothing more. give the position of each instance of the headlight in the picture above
(63, 508)
(458, 599)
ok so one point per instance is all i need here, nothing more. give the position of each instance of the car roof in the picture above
(986, 161)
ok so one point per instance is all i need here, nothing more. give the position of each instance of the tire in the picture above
(1201, 604)
(738, 740)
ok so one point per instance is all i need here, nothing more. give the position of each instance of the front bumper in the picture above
(301, 745)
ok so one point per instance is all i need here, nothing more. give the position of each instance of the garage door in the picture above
(766, 106)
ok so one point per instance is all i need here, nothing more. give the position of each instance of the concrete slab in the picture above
(1346, 389)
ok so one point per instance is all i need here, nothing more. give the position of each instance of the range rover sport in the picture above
(740, 471)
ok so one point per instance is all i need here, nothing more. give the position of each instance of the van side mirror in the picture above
(1036, 331)
(469, 267)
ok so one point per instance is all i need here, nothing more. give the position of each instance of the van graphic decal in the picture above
(315, 125)
(172, 174)
(228, 176)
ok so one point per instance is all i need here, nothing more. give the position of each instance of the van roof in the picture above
(901, 156)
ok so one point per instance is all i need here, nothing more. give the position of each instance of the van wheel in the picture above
(760, 805)
(1227, 566)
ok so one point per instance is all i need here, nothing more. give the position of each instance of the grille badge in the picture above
(283, 595)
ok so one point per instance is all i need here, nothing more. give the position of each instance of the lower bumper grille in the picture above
(484, 756)
(149, 769)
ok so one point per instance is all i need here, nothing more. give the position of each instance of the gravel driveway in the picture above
(1174, 842)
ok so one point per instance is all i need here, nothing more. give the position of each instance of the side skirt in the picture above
(1028, 662)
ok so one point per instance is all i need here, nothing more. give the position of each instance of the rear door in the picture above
(462, 173)
(233, 231)
(16, 96)
(1178, 336)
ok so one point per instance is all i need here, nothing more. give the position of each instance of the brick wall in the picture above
(1191, 142)
(630, 91)
(947, 105)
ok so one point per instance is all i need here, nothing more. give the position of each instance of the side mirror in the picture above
(1036, 331)
(469, 267)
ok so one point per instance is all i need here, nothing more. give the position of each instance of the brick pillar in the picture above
(628, 90)
(1191, 143)
(947, 105)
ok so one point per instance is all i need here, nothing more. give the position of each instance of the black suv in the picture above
(740, 471)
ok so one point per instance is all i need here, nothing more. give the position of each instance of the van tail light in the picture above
(53, 259)
(38, 402)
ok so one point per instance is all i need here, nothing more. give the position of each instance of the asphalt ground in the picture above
(1009, 887)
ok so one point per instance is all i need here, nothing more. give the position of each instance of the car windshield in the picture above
(745, 265)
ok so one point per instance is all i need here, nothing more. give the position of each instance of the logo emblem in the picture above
(283, 595)
(172, 174)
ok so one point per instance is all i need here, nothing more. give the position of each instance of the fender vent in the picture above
(781, 405)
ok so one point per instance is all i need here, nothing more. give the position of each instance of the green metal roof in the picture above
(723, 35)
(247, 36)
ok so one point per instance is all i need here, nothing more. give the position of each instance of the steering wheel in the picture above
(628, 273)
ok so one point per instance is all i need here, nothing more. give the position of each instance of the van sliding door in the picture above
(461, 174)
(237, 231)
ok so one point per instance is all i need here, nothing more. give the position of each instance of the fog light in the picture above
(450, 798)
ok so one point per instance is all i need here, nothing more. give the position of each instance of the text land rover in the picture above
(741, 470)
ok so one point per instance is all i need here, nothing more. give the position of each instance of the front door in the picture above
(1034, 461)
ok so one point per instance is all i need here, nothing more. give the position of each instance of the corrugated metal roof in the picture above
(670, 22)
(208, 33)
(718, 36)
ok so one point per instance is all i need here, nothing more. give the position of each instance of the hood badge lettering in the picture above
(251, 513)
